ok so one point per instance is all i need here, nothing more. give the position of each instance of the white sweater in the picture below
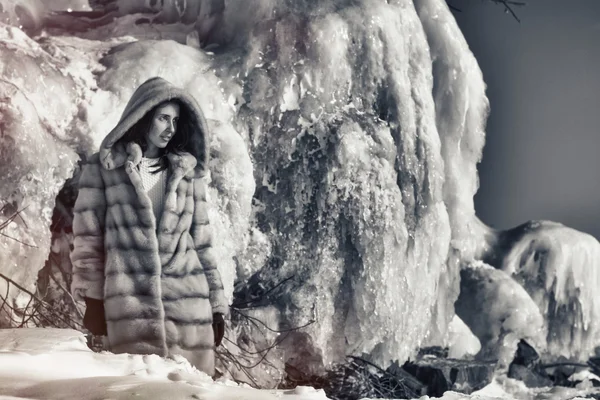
(155, 184)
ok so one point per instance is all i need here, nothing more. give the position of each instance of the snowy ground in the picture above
(57, 364)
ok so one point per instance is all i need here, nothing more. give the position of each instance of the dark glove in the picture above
(218, 328)
(94, 319)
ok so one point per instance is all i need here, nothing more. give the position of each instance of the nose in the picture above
(171, 127)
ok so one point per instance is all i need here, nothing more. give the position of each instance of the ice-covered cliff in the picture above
(345, 141)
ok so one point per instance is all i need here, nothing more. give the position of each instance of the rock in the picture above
(499, 312)
(436, 351)
(358, 378)
(528, 376)
(526, 355)
(441, 375)
(525, 367)
(558, 267)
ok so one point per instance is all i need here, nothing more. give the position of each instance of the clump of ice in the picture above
(462, 343)
(35, 161)
(558, 267)
(499, 311)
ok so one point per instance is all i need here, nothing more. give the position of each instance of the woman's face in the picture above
(163, 126)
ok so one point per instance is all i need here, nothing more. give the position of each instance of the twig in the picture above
(508, 6)
(65, 275)
(66, 291)
(23, 321)
(563, 364)
(20, 287)
(454, 8)
(17, 240)
(271, 329)
(240, 366)
(40, 301)
(239, 305)
(7, 221)
(5, 296)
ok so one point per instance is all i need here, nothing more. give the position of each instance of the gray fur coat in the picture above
(158, 278)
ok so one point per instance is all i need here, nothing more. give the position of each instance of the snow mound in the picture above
(560, 269)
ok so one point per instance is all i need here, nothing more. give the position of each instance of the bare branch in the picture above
(240, 305)
(67, 292)
(507, 4)
(17, 240)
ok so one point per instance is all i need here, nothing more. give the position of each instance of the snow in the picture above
(462, 343)
(56, 364)
(499, 311)
(48, 364)
(345, 140)
(560, 269)
(35, 158)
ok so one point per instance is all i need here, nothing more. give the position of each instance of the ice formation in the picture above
(35, 156)
(499, 312)
(559, 268)
(345, 138)
(462, 343)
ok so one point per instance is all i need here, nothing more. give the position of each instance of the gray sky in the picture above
(543, 135)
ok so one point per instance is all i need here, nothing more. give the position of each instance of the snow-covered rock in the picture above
(35, 158)
(462, 343)
(560, 269)
(499, 312)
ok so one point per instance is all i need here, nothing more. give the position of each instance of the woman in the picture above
(142, 257)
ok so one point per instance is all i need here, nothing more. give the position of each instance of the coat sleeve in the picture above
(88, 253)
(202, 235)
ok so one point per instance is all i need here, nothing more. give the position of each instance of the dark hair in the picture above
(179, 143)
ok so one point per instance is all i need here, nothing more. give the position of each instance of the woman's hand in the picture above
(218, 328)
(94, 319)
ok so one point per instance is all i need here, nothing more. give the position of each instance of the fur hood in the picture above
(147, 96)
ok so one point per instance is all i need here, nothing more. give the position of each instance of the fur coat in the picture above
(158, 278)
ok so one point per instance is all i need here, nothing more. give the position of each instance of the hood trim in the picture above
(148, 95)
